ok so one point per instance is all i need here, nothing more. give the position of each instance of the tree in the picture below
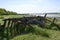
(5, 12)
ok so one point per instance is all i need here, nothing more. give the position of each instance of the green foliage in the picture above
(36, 30)
(33, 29)
(40, 31)
(29, 29)
(5, 12)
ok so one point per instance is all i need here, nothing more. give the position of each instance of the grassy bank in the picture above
(36, 32)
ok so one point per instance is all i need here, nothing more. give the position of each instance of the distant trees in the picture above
(5, 12)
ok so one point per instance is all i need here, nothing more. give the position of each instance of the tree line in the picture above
(6, 12)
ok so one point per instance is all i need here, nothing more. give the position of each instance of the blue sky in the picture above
(31, 6)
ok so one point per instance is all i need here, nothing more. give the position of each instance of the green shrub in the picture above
(29, 29)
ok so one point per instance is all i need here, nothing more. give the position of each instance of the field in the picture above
(38, 33)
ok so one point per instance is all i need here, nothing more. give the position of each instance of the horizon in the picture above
(31, 6)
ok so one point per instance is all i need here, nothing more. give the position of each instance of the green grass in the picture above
(54, 35)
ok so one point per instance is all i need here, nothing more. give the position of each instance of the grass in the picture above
(54, 35)
(38, 33)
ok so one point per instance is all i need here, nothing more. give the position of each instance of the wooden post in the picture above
(3, 27)
(45, 16)
(8, 29)
(53, 21)
(11, 30)
(17, 29)
(14, 27)
(44, 20)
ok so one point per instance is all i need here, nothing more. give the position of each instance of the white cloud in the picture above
(28, 8)
(33, 6)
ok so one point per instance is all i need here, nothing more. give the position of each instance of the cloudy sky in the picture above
(31, 6)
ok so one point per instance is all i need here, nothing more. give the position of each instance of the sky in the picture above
(31, 6)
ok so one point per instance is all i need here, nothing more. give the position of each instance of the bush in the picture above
(29, 29)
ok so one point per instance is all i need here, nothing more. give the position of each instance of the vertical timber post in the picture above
(3, 27)
(8, 29)
(53, 21)
(15, 27)
(45, 16)
(11, 28)
(44, 19)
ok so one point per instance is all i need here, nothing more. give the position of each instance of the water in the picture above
(48, 15)
(52, 15)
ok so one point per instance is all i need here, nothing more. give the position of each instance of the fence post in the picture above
(44, 20)
(45, 16)
(8, 29)
(11, 28)
(53, 21)
(3, 27)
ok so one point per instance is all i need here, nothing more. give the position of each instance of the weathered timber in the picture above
(14, 28)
